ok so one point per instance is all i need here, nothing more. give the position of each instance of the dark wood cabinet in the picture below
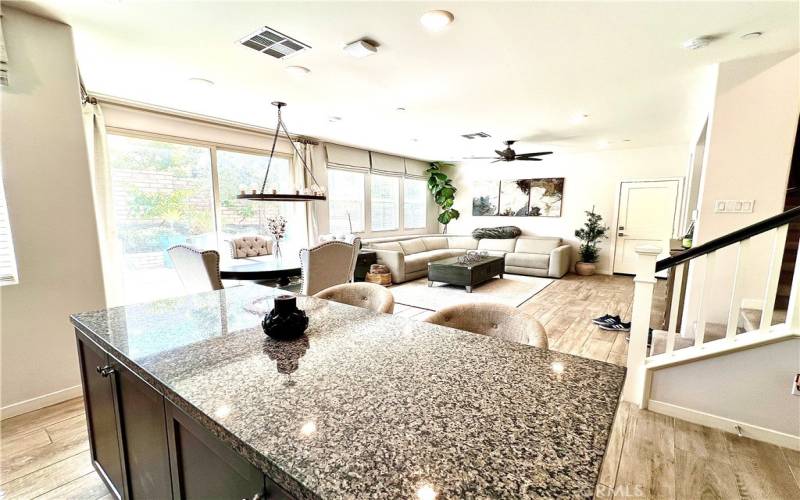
(144, 447)
(144, 436)
(204, 467)
(101, 419)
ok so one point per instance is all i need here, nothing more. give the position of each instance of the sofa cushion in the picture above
(531, 260)
(505, 245)
(462, 242)
(390, 245)
(496, 233)
(537, 245)
(410, 247)
(435, 243)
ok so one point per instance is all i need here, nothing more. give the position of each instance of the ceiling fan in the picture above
(509, 154)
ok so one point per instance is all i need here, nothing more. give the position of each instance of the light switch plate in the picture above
(734, 206)
(796, 385)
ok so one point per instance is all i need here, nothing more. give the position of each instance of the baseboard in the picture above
(725, 424)
(39, 402)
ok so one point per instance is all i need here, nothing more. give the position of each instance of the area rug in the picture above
(511, 290)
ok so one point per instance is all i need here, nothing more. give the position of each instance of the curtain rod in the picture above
(195, 117)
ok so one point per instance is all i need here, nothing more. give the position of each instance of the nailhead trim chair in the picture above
(495, 320)
(198, 270)
(328, 264)
(367, 295)
(250, 246)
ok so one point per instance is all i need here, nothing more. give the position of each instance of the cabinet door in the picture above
(144, 436)
(98, 397)
(205, 467)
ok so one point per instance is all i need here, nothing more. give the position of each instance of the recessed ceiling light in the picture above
(201, 82)
(626, 140)
(400, 109)
(414, 140)
(436, 20)
(697, 43)
(752, 36)
(334, 119)
(297, 70)
(360, 48)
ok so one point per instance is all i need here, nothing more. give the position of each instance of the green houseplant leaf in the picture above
(443, 191)
(590, 234)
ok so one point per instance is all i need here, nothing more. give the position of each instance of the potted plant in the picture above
(589, 235)
(444, 193)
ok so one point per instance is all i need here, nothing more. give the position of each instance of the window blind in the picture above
(348, 158)
(8, 262)
(416, 168)
(384, 164)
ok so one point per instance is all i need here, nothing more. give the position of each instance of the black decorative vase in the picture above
(285, 321)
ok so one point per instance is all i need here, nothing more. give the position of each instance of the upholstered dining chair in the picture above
(495, 320)
(198, 270)
(367, 295)
(250, 246)
(330, 263)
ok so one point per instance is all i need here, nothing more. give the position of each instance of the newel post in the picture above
(644, 282)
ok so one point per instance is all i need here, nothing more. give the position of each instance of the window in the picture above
(237, 171)
(385, 210)
(8, 263)
(346, 201)
(414, 200)
(162, 194)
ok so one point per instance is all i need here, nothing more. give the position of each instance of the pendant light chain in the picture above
(278, 128)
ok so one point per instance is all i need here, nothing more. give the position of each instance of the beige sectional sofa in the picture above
(407, 257)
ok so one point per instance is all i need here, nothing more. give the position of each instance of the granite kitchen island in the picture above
(188, 398)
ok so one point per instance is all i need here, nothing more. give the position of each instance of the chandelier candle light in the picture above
(315, 192)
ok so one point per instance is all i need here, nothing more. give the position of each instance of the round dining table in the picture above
(266, 267)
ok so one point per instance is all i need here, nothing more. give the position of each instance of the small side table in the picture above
(365, 259)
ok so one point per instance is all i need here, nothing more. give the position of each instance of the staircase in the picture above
(734, 375)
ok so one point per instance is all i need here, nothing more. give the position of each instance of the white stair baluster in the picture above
(677, 284)
(736, 294)
(775, 262)
(708, 290)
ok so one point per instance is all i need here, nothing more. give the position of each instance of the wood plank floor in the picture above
(44, 454)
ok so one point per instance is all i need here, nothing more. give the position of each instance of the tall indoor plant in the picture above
(590, 235)
(444, 193)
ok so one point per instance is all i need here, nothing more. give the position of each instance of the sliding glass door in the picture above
(164, 194)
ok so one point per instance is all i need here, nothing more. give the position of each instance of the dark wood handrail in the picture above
(730, 238)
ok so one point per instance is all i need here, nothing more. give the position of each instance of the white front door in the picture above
(647, 216)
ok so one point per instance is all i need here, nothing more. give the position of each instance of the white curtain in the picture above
(305, 180)
(95, 132)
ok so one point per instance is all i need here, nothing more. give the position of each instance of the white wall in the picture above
(47, 181)
(751, 386)
(748, 154)
(590, 179)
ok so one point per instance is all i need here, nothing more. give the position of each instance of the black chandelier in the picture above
(308, 194)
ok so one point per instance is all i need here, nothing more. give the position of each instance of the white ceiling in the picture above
(515, 70)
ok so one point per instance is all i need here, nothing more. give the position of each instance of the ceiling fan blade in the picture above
(541, 153)
(501, 153)
(527, 159)
(481, 158)
(499, 159)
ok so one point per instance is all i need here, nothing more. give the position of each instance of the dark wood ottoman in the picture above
(467, 275)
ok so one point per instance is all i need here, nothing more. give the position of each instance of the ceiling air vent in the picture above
(273, 43)
(476, 135)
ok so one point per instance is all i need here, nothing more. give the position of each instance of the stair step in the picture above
(750, 319)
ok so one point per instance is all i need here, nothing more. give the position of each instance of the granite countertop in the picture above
(371, 405)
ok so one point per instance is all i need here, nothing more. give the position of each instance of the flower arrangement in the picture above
(276, 226)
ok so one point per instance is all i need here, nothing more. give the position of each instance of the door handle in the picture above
(105, 371)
